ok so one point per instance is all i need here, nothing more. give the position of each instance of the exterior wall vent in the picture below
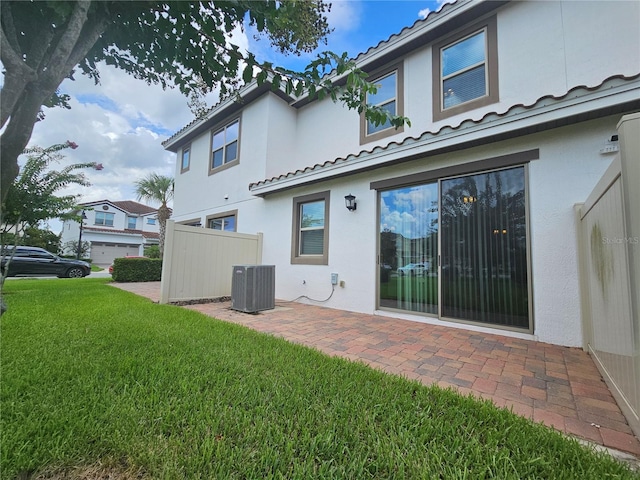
(253, 288)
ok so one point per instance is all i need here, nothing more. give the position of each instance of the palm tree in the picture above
(157, 188)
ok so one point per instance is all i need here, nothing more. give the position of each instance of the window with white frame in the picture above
(151, 221)
(389, 97)
(186, 159)
(105, 218)
(224, 146)
(226, 222)
(310, 242)
(466, 70)
(131, 222)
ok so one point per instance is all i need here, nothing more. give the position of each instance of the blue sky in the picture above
(358, 25)
(122, 122)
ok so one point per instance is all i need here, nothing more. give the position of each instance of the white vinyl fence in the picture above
(197, 262)
(607, 246)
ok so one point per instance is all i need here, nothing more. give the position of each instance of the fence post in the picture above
(259, 249)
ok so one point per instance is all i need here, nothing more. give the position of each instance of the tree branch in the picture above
(93, 28)
(17, 76)
(8, 26)
(60, 55)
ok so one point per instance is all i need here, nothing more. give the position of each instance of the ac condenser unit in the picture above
(253, 288)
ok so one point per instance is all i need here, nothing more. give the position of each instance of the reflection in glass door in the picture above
(459, 244)
(484, 248)
(408, 240)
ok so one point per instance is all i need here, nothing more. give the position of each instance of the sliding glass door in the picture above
(408, 262)
(484, 248)
(457, 248)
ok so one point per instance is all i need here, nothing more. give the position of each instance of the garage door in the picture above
(105, 253)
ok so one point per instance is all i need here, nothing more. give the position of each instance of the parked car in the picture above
(29, 261)
(414, 269)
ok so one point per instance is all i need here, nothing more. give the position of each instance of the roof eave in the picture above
(618, 96)
(225, 109)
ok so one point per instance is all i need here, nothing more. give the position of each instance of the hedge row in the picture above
(137, 270)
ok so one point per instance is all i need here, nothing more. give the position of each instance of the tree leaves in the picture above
(172, 43)
(33, 196)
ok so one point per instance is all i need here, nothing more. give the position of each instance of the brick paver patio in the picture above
(558, 386)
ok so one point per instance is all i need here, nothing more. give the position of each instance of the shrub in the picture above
(137, 269)
(152, 251)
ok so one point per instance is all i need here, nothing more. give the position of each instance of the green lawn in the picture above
(95, 379)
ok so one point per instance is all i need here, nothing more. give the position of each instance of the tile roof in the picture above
(512, 110)
(122, 232)
(128, 206)
(134, 207)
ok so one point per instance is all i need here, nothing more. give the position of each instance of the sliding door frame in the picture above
(520, 159)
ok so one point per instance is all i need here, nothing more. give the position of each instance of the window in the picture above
(186, 159)
(466, 71)
(310, 242)
(225, 221)
(390, 97)
(105, 218)
(224, 146)
(151, 221)
(131, 222)
(192, 222)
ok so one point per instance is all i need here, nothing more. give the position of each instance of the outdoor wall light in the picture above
(350, 201)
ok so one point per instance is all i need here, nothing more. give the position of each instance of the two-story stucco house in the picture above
(114, 229)
(466, 216)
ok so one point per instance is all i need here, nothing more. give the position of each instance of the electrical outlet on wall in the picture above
(334, 279)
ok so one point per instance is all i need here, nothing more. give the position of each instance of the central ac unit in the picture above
(253, 288)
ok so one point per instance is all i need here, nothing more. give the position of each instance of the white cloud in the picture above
(113, 134)
(345, 16)
(121, 124)
(424, 12)
(442, 2)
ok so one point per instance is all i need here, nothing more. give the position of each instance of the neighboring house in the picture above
(513, 109)
(114, 229)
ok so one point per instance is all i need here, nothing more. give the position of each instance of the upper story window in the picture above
(465, 73)
(105, 218)
(186, 159)
(390, 97)
(310, 243)
(224, 221)
(224, 146)
(132, 222)
(151, 221)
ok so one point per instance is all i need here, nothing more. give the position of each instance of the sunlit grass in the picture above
(92, 375)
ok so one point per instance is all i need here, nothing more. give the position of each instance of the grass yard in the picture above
(97, 381)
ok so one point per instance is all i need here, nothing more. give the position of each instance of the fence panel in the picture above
(609, 323)
(198, 262)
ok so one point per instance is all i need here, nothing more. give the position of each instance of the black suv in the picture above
(37, 261)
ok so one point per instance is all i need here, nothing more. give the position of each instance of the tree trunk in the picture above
(18, 132)
(22, 105)
(163, 215)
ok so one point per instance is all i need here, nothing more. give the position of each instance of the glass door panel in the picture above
(408, 261)
(484, 248)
